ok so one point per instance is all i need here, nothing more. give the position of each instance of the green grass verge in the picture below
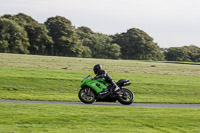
(40, 118)
(113, 66)
(63, 85)
(28, 77)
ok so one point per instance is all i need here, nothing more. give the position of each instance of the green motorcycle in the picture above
(91, 88)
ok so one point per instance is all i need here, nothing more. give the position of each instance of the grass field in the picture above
(42, 84)
(25, 77)
(113, 66)
(31, 77)
(41, 118)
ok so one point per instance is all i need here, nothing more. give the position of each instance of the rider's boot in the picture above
(117, 91)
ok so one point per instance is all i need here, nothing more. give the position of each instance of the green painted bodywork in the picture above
(96, 85)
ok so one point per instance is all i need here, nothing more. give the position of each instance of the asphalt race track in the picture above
(109, 104)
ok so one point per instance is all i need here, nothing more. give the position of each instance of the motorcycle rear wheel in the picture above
(127, 97)
(86, 97)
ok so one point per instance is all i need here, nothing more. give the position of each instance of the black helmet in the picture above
(97, 68)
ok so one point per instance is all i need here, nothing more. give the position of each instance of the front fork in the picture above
(87, 91)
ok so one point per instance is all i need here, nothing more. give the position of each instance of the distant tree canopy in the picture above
(13, 38)
(40, 42)
(57, 36)
(66, 41)
(186, 53)
(100, 45)
(138, 45)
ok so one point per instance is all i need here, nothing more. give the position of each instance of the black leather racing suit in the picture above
(108, 79)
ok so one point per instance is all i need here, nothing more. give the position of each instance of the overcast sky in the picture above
(170, 22)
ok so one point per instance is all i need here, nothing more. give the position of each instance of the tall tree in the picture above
(177, 54)
(185, 53)
(13, 38)
(66, 41)
(136, 44)
(100, 44)
(193, 52)
(40, 42)
(114, 51)
(84, 34)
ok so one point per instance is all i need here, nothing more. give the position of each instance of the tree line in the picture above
(57, 36)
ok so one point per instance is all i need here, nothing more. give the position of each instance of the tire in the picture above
(88, 99)
(127, 97)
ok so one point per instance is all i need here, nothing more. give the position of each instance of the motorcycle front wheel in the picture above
(86, 95)
(126, 97)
